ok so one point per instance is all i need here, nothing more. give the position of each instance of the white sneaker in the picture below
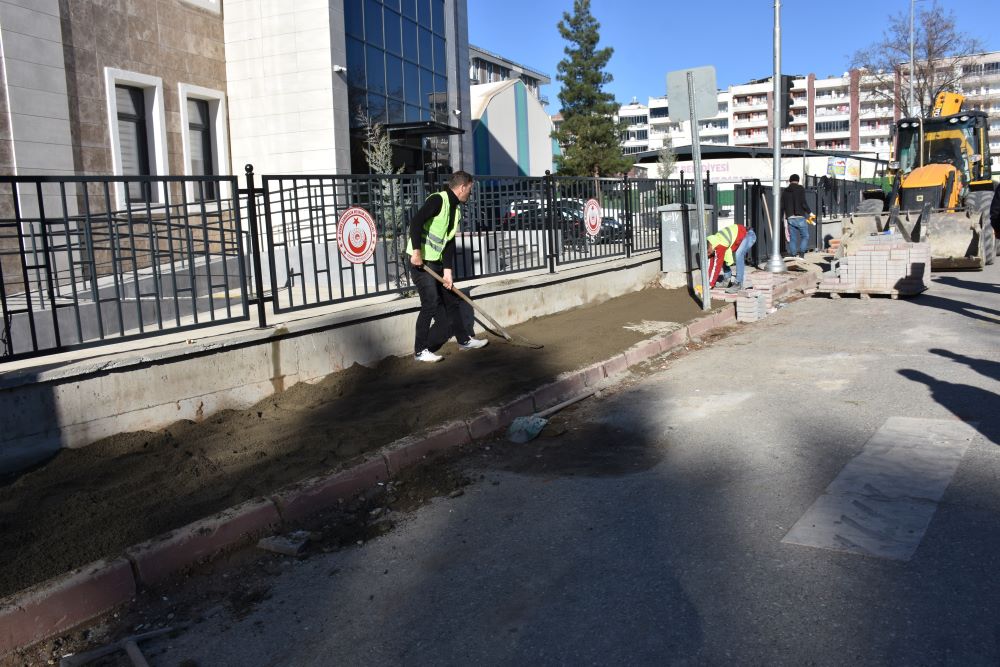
(473, 344)
(428, 357)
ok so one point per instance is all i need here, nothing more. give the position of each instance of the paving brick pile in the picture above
(755, 302)
(884, 263)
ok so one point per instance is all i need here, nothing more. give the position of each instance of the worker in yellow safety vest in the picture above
(726, 247)
(432, 243)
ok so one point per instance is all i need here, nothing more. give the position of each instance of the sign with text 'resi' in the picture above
(592, 215)
(356, 235)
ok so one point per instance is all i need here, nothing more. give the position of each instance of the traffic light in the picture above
(786, 101)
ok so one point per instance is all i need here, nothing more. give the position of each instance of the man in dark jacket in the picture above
(432, 243)
(795, 210)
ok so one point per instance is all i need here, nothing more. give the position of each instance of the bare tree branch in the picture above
(942, 57)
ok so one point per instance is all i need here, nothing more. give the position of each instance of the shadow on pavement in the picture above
(954, 281)
(970, 404)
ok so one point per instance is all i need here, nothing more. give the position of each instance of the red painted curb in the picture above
(62, 603)
(483, 423)
(592, 374)
(642, 351)
(615, 365)
(320, 493)
(558, 391)
(672, 340)
(160, 557)
(408, 451)
(522, 406)
(725, 316)
(700, 327)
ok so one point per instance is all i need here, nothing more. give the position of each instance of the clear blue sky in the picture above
(653, 37)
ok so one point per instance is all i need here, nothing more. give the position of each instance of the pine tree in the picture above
(588, 135)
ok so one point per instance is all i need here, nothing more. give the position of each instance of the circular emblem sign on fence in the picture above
(356, 235)
(592, 216)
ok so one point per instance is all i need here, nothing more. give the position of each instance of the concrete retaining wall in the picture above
(75, 399)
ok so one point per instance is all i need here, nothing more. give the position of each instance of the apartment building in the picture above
(840, 113)
(486, 67)
(648, 127)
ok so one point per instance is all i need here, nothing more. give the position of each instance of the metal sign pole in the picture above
(775, 264)
(699, 196)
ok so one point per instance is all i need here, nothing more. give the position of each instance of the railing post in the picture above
(550, 230)
(627, 191)
(251, 194)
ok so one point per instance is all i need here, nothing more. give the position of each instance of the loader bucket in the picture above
(953, 236)
(954, 239)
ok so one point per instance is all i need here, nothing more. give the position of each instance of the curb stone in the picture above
(64, 602)
(61, 603)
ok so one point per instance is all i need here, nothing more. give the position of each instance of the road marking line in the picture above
(883, 500)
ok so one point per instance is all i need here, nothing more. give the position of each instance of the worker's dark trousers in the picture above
(432, 294)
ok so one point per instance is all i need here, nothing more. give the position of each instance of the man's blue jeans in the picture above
(740, 255)
(798, 232)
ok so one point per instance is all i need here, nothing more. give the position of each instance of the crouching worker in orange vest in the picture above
(726, 247)
(432, 243)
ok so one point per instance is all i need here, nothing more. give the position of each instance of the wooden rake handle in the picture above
(500, 329)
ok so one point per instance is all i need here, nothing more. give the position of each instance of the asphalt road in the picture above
(651, 531)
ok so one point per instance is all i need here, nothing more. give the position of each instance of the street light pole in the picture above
(775, 264)
(910, 109)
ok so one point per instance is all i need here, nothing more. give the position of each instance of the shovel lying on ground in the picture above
(523, 429)
(499, 329)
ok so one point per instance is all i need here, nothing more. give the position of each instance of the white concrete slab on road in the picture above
(883, 500)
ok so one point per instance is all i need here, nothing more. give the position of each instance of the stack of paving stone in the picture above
(750, 306)
(884, 264)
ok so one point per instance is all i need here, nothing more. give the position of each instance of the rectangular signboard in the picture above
(706, 101)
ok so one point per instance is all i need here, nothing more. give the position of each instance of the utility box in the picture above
(673, 237)
(680, 237)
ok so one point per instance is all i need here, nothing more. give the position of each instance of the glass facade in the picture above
(396, 60)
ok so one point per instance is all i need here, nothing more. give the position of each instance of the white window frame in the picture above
(156, 127)
(220, 136)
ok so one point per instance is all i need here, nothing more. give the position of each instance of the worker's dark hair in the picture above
(794, 178)
(459, 178)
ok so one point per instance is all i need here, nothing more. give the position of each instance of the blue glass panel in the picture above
(354, 20)
(410, 9)
(376, 108)
(355, 62)
(410, 40)
(426, 48)
(437, 12)
(412, 114)
(394, 76)
(396, 111)
(393, 38)
(440, 56)
(373, 22)
(411, 82)
(426, 87)
(375, 60)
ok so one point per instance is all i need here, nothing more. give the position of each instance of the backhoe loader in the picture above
(941, 188)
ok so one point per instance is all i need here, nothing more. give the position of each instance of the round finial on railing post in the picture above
(248, 169)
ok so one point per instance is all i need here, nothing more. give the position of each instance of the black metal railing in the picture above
(83, 264)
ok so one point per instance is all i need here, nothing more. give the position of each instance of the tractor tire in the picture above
(988, 242)
(869, 206)
(979, 201)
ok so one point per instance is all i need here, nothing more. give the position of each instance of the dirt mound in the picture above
(90, 503)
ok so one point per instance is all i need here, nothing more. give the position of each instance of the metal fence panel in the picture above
(306, 267)
(82, 264)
